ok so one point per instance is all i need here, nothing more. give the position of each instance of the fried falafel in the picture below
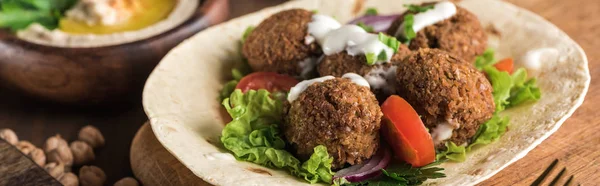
(277, 43)
(447, 92)
(461, 35)
(380, 76)
(337, 113)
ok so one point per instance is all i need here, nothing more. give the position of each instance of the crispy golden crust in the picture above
(461, 35)
(339, 114)
(441, 88)
(277, 43)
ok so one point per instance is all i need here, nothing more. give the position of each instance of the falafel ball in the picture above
(277, 43)
(461, 35)
(342, 63)
(380, 76)
(444, 90)
(337, 113)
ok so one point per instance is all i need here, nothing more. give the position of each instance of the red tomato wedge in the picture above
(271, 81)
(505, 65)
(405, 132)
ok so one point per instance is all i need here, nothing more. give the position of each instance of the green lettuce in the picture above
(253, 136)
(485, 59)
(453, 152)
(490, 131)
(511, 90)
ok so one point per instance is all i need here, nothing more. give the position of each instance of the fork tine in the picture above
(558, 177)
(539, 180)
(569, 181)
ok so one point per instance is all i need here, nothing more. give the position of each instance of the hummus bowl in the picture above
(108, 69)
(181, 95)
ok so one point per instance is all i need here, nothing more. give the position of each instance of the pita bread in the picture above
(180, 97)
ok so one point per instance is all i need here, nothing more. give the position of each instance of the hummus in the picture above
(86, 11)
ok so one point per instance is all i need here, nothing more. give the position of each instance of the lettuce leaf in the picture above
(485, 59)
(512, 90)
(490, 131)
(453, 152)
(253, 136)
(501, 83)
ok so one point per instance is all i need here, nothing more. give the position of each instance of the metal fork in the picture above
(546, 172)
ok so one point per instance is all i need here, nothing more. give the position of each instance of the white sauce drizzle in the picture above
(219, 156)
(356, 79)
(335, 38)
(303, 85)
(381, 78)
(319, 27)
(441, 132)
(441, 11)
(533, 60)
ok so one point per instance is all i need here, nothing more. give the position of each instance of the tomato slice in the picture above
(505, 65)
(271, 81)
(405, 132)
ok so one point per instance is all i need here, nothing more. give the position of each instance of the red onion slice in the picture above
(371, 168)
(379, 23)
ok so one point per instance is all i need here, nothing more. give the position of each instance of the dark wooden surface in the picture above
(35, 120)
(20, 170)
(576, 143)
(94, 75)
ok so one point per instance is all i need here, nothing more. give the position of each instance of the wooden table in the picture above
(576, 143)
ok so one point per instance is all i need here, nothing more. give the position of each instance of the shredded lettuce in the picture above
(409, 32)
(253, 136)
(389, 41)
(417, 8)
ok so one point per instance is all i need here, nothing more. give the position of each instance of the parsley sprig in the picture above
(405, 174)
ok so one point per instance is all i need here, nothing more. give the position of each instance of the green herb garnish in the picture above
(365, 27)
(404, 174)
(315, 11)
(19, 14)
(391, 42)
(371, 12)
(372, 58)
(417, 8)
(247, 33)
(408, 31)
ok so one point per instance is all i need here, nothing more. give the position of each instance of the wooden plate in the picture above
(95, 75)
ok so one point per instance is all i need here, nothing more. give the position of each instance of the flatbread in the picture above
(180, 97)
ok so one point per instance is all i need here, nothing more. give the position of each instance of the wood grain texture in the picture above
(576, 144)
(17, 169)
(152, 164)
(94, 75)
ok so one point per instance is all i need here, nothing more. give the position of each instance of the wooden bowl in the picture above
(95, 75)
